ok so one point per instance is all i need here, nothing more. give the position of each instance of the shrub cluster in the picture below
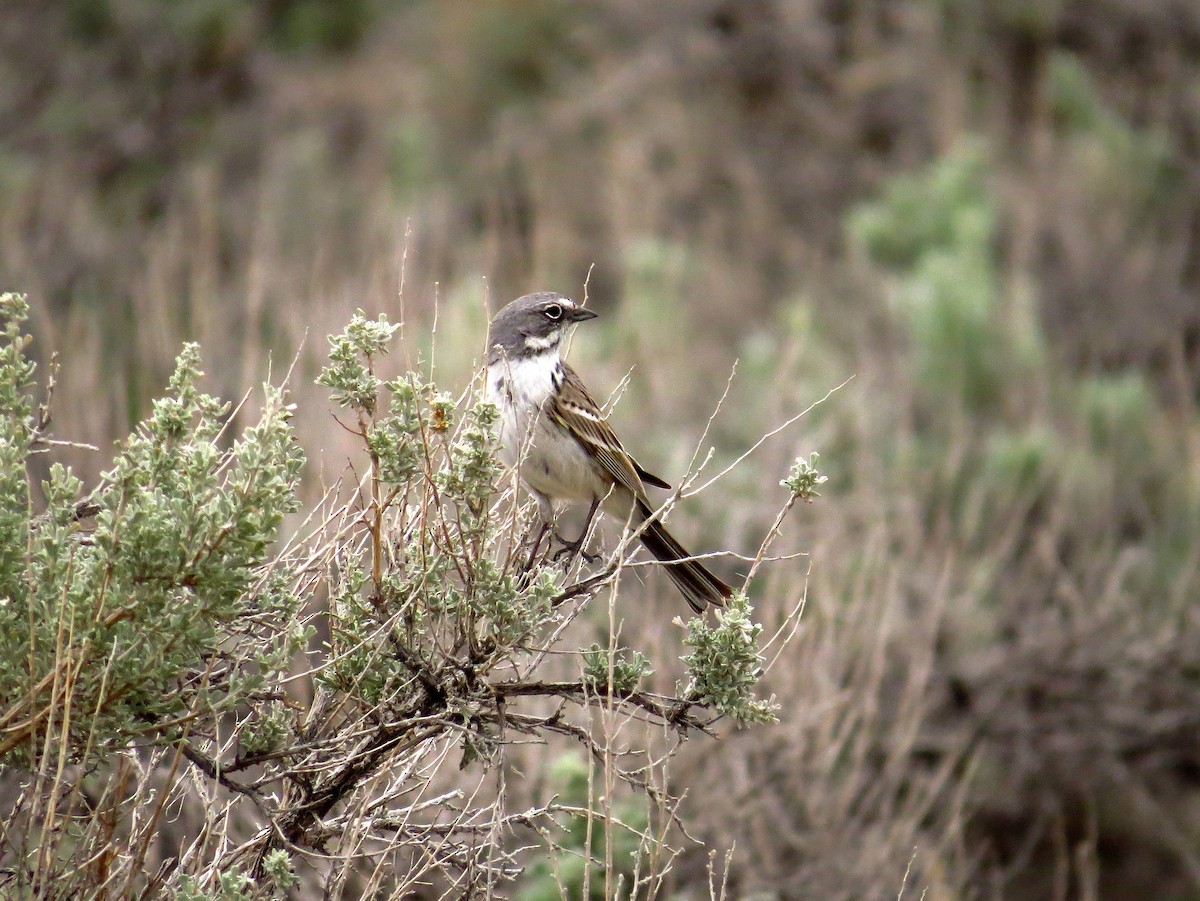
(157, 621)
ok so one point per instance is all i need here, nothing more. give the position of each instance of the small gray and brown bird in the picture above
(561, 443)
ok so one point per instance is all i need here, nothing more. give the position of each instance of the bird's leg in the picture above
(537, 542)
(572, 548)
(546, 514)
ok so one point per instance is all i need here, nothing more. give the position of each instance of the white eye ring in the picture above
(554, 311)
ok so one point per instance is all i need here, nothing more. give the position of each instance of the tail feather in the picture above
(698, 586)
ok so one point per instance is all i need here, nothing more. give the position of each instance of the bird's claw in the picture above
(571, 549)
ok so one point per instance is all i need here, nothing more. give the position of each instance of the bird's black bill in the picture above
(579, 314)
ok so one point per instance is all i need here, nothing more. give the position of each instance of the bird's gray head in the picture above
(532, 325)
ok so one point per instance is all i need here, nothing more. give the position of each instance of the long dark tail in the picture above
(698, 586)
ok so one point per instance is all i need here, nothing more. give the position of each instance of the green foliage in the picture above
(978, 361)
(935, 232)
(327, 26)
(441, 576)
(267, 731)
(1117, 410)
(171, 622)
(1017, 463)
(561, 872)
(949, 302)
(491, 610)
(512, 54)
(173, 72)
(1035, 19)
(473, 467)
(504, 612)
(16, 372)
(946, 208)
(195, 26)
(803, 479)
(654, 317)
(357, 665)
(1118, 161)
(410, 156)
(232, 885)
(395, 441)
(1122, 461)
(277, 866)
(352, 354)
(627, 670)
(111, 636)
(16, 376)
(725, 664)
(1073, 96)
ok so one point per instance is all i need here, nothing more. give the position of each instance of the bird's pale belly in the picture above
(554, 464)
(550, 461)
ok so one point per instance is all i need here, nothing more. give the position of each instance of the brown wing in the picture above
(574, 410)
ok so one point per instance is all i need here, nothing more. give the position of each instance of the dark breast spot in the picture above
(556, 379)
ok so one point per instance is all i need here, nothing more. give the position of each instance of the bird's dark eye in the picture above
(554, 311)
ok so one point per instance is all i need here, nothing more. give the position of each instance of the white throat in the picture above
(544, 343)
(526, 381)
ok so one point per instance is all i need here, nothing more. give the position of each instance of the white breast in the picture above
(519, 388)
(552, 463)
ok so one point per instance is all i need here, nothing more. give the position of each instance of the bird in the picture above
(560, 442)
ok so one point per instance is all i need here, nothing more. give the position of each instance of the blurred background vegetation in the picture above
(986, 211)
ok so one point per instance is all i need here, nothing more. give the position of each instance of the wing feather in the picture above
(574, 410)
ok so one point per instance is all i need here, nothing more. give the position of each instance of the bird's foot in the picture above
(571, 549)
